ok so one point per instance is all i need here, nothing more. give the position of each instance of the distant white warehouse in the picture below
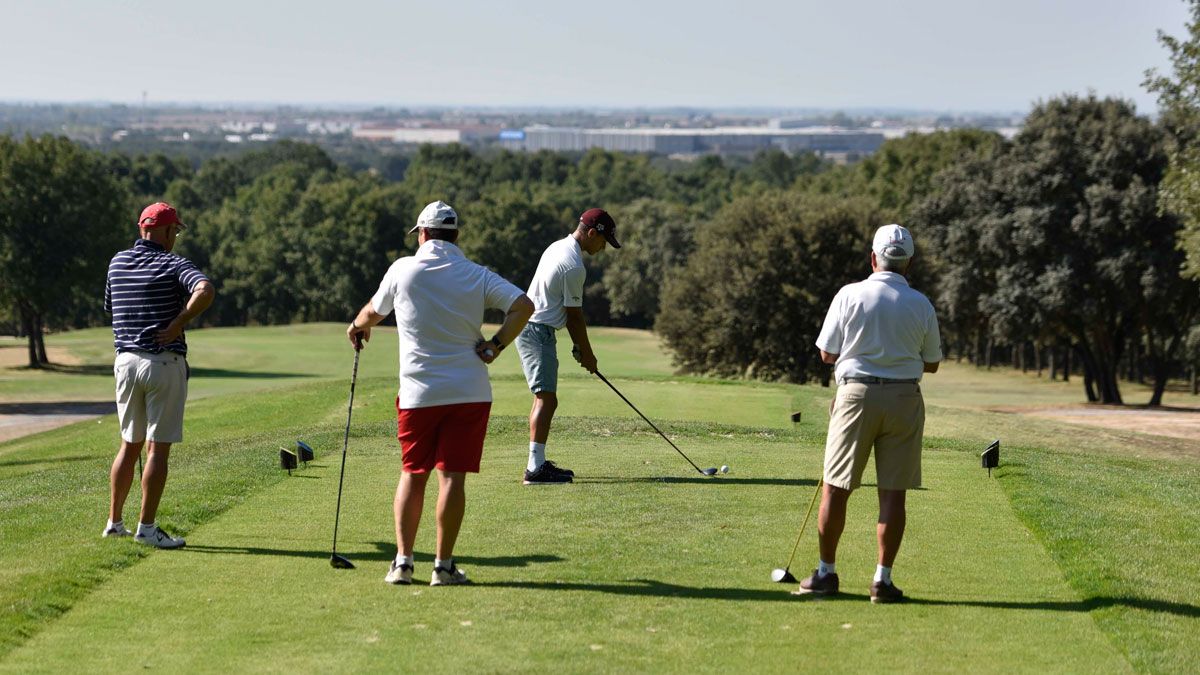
(720, 140)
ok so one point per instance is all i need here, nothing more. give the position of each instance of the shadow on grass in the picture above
(222, 372)
(59, 408)
(106, 369)
(698, 479)
(384, 551)
(650, 587)
(48, 460)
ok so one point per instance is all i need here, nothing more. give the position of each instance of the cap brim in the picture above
(611, 239)
(415, 228)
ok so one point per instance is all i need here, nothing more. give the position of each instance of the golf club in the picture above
(336, 561)
(784, 576)
(712, 471)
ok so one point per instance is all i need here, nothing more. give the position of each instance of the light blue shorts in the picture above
(538, 350)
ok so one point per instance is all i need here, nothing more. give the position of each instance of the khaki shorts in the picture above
(888, 417)
(151, 391)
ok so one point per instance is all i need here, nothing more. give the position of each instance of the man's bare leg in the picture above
(540, 416)
(452, 504)
(154, 479)
(831, 521)
(408, 505)
(890, 529)
(120, 477)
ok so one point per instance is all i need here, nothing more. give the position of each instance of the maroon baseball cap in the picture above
(160, 214)
(600, 221)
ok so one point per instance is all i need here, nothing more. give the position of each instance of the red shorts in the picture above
(446, 437)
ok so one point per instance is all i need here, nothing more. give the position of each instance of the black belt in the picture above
(878, 380)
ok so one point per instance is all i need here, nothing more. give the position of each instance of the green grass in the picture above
(1076, 556)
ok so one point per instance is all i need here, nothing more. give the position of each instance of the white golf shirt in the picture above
(881, 327)
(558, 283)
(439, 297)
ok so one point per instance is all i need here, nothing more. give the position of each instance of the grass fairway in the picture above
(1077, 556)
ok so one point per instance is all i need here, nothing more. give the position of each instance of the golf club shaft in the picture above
(805, 524)
(639, 412)
(345, 444)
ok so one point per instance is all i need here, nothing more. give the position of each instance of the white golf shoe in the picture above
(399, 574)
(117, 530)
(157, 538)
(448, 577)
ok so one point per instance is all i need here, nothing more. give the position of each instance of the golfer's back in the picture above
(881, 327)
(439, 297)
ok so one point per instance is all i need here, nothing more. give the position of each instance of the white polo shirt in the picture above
(558, 283)
(439, 297)
(881, 327)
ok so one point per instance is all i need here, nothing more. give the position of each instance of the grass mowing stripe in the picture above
(52, 512)
(638, 566)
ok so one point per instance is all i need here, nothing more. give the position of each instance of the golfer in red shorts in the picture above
(439, 298)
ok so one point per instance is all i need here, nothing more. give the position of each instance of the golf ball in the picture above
(724, 468)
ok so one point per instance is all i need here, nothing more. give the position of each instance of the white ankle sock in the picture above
(883, 574)
(826, 568)
(403, 560)
(114, 523)
(444, 564)
(537, 456)
(147, 528)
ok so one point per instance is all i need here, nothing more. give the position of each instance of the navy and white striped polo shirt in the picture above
(147, 288)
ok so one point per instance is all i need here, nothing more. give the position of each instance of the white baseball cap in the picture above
(893, 242)
(438, 215)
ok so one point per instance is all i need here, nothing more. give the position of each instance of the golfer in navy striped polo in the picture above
(152, 294)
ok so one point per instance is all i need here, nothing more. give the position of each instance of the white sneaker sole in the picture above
(153, 544)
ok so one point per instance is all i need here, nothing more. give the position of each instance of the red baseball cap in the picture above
(599, 220)
(160, 214)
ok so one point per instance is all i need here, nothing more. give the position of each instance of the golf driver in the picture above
(336, 561)
(784, 576)
(711, 471)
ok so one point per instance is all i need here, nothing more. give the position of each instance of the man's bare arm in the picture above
(826, 357)
(932, 367)
(577, 327)
(361, 325)
(516, 318)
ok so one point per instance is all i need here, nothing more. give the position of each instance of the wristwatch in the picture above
(496, 341)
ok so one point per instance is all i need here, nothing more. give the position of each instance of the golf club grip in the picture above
(652, 425)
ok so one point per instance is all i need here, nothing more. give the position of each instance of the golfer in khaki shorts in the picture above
(881, 335)
(152, 295)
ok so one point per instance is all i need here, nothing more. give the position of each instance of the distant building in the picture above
(719, 140)
(419, 135)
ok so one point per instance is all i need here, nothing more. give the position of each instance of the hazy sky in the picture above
(931, 54)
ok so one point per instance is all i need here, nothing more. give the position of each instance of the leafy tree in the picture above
(656, 238)
(508, 228)
(62, 216)
(1179, 102)
(1061, 235)
(752, 298)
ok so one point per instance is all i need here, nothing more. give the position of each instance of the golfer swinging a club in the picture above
(439, 298)
(557, 293)
(881, 335)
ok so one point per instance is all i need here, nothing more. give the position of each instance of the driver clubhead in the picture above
(338, 562)
(711, 471)
(782, 576)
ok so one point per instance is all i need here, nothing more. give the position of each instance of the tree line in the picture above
(1059, 248)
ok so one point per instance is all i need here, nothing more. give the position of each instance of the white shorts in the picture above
(151, 391)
